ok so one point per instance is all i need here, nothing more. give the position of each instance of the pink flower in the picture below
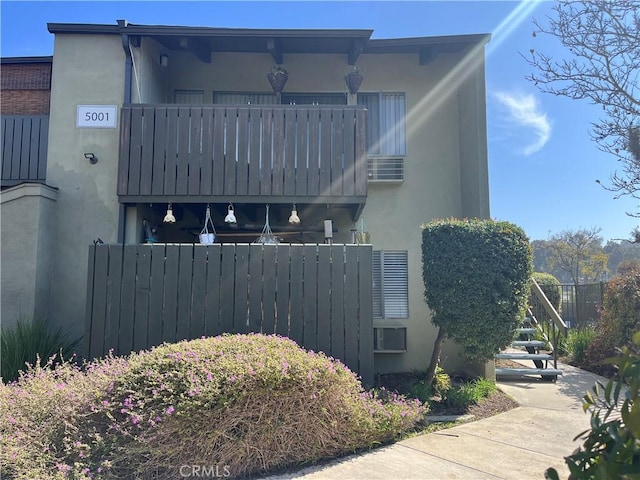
(170, 410)
(233, 378)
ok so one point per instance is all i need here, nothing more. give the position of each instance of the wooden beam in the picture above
(274, 47)
(356, 49)
(197, 47)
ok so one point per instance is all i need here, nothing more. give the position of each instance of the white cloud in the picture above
(524, 110)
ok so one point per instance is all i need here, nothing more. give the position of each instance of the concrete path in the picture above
(519, 444)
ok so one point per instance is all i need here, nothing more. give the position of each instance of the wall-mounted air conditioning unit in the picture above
(389, 339)
(385, 169)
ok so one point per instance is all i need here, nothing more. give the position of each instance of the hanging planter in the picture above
(353, 80)
(207, 237)
(267, 237)
(278, 77)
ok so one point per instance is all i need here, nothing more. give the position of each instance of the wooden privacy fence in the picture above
(173, 151)
(318, 295)
(24, 148)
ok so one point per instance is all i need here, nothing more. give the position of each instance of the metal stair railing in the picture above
(547, 319)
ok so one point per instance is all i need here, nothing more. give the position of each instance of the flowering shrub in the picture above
(245, 403)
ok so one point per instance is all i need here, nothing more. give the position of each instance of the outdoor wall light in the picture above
(164, 60)
(91, 157)
(230, 218)
(294, 219)
(169, 218)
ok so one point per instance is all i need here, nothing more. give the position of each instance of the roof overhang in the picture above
(205, 41)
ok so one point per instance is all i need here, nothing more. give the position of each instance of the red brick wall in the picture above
(26, 89)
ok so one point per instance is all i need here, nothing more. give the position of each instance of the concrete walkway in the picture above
(518, 444)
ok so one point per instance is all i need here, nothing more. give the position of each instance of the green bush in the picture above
(469, 393)
(611, 448)
(30, 342)
(476, 275)
(551, 288)
(619, 318)
(424, 391)
(578, 342)
(248, 403)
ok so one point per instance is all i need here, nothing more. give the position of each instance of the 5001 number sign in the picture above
(97, 116)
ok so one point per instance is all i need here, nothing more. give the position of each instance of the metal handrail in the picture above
(550, 318)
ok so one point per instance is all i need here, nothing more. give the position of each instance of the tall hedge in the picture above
(476, 275)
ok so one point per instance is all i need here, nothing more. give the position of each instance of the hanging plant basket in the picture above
(278, 77)
(353, 81)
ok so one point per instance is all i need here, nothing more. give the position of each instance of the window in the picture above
(232, 98)
(390, 284)
(189, 96)
(386, 129)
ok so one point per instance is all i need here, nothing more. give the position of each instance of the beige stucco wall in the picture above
(87, 70)
(27, 222)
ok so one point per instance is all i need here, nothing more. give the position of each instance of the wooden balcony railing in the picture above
(24, 149)
(189, 153)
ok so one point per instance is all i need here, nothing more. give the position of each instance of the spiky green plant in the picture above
(30, 342)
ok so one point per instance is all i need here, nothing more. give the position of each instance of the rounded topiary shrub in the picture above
(551, 288)
(241, 404)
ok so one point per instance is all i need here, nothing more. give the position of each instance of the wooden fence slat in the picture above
(125, 151)
(34, 149)
(302, 153)
(255, 288)
(185, 279)
(91, 279)
(217, 187)
(170, 311)
(135, 152)
(17, 149)
(361, 153)
(159, 151)
(112, 332)
(269, 289)
(195, 151)
(213, 325)
(365, 331)
(43, 148)
(266, 143)
(310, 295)
(231, 152)
(182, 175)
(8, 124)
(170, 174)
(351, 319)
(255, 123)
(325, 152)
(146, 159)
(241, 289)
(206, 178)
(25, 148)
(324, 298)
(296, 319)
(100, 291)
(349, 171)
(313, 185)
(282, 290)
(127, 302)
(277, 173)
(337, 316)
(156, 295)
(197, 327)
(337, 148)
(227, 274)
(142, 289)
(242, 169)
(289, 161)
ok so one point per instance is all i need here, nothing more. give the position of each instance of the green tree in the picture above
(621, 251)
(578, 254)
(476, 275)
(602, 46)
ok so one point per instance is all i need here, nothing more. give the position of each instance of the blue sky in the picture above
(543, 166)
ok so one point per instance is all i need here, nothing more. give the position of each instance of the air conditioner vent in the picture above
(389, 339)
(385, 169)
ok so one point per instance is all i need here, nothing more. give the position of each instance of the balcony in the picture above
(244, 154)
